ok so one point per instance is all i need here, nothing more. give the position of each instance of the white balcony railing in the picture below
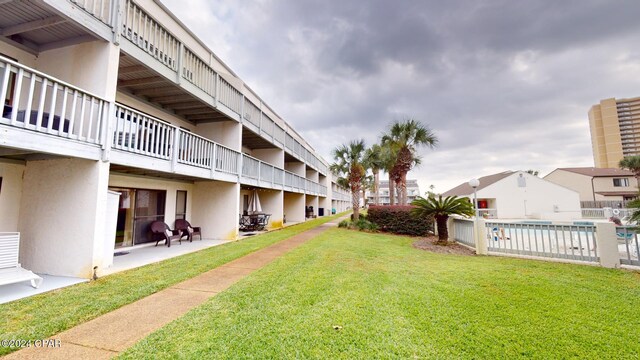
(251, 113)
(250, 167)
(230, 96)
(195, 150)
(149, 35)
(38, 102)
(100, 9)
(197, 72)
(488, 213)
(138, 133)
(226, 159)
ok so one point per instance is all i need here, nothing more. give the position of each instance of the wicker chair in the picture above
(188, 230)
(162, 232)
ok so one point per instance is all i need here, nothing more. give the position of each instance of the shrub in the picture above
(361, 224)
(397, 219)
(362, 216)
(365, 225)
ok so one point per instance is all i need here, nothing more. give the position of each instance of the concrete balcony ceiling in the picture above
(142, 81)
(36, 26)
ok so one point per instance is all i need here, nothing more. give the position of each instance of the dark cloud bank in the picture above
(504, 84)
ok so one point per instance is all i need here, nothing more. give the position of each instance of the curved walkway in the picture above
(114, 332)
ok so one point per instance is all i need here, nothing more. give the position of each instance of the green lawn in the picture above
(394, 301)
(47, 314)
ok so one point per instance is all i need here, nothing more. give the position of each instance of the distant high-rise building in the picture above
(615, 130)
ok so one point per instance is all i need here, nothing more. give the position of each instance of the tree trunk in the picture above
(443, 232)
(392, 189)
(398, 191)
(364, 196)
(403, 188)
(376, 187)
(355, 202)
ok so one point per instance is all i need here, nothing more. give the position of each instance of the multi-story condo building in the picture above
(615, 130)
(413, 190)
(114, 109)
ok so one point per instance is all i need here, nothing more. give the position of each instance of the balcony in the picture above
(42, 114)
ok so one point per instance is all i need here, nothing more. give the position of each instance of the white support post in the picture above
(240, 166)
(217, 94)
(175, 151)
(481, 236)
(607, 245)
(242, 110)
(214, 162)
(180, 63)
(108, 131)
(116, 20)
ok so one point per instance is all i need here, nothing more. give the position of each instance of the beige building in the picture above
(615, 130)
(114, 116)
(597, 184)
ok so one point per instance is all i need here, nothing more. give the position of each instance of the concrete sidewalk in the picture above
(114, 332)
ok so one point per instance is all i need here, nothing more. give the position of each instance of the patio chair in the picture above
(188, 230)
(245, 223)
(10, 270)
(262, 221)
(162, 232)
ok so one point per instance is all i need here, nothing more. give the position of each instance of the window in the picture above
(621, 182)
(181, 205)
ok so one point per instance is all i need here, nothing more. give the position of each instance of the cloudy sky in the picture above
(505, 85)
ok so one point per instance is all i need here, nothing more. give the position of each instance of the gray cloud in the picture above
(504, 84)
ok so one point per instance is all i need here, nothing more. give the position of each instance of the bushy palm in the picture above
(348, 164)
(632, 163)
(441, 209)
(403, 138)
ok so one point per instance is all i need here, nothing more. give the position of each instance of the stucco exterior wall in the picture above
(573, 181)
(273, 203)
(313, 175)
(539, 199)
(294, 207)
(77, 65)
(227, 133)
(297, 168)
(216, 209)
(62, 216)
(271, 156)
(10, 195)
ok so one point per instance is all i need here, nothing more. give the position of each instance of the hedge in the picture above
(397, 219)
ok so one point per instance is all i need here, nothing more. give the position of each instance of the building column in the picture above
(215, 208)
(294, 207)
(62, 216)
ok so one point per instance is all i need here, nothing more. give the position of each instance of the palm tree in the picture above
(374, 160)
(441, 209)
(348, 164)
(388, 159)
(404, 138)
(632, 163)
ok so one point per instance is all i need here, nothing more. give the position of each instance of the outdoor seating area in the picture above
(161, 231)
(254, 222)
